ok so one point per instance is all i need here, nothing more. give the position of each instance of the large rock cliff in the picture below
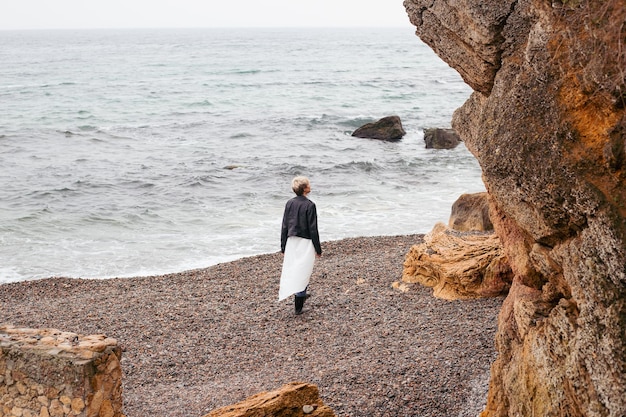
(547, 122)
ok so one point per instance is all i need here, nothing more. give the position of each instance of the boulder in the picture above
(296, 399)
(387, 128)
(547, 123)
(459, 265)
(470, 212)
(437, 138)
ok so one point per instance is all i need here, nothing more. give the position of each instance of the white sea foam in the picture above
(128, 153)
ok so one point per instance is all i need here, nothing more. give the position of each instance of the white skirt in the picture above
(297, 266)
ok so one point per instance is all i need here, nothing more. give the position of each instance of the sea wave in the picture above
(180, 151)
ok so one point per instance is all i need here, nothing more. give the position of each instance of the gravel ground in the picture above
(202, 339)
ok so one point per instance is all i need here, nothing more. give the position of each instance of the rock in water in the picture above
(387, 128)
(437, 138)
(547, 123)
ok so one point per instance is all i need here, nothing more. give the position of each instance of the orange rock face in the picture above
(459, 265)
(296, 399)
(547, 123)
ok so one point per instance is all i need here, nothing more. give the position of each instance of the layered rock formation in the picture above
(547, 123)
(296, 399)
(459, 265)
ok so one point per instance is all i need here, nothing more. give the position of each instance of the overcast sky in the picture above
(79, 14)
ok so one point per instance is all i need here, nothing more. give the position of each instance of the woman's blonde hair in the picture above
(298, 184)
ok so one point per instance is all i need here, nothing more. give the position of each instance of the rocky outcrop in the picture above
(46, 372)
(436, 138)
(387, 128)
(459, 265)
(547, 123)
(470, 212)
(295, 399)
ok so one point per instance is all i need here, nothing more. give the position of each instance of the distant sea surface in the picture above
(139, 152)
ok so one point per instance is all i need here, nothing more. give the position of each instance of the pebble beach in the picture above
(201, 339)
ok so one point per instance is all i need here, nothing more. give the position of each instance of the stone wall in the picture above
(49, 373)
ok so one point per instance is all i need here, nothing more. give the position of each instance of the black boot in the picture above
(299, 303)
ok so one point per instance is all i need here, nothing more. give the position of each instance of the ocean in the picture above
(140, 152)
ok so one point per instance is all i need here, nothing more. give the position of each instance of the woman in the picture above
(299, 242)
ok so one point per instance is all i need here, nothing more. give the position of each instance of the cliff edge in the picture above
(547, 123)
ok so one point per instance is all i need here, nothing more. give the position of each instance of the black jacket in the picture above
(300, 219)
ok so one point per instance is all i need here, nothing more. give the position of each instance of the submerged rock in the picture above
(387, 128)
(231, 167)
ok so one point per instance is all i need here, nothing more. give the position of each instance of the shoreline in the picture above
(197, 340)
